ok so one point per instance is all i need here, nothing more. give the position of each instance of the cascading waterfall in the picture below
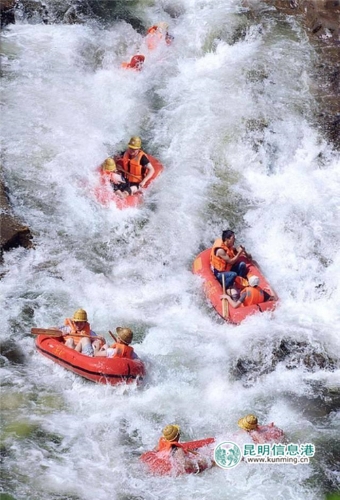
(227, 110)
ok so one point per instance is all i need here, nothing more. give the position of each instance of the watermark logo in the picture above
(227, 455)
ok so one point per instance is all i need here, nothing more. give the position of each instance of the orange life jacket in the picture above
(133, 166)
(241, 282)
(217, 262)
(254, 295)
(86, 331)
(123, 351)
(165, 445)
(152, 29)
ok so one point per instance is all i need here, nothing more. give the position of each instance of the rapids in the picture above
(228, 111)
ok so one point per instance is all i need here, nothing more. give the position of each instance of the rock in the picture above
(292, 353)
(320, 17)
(7, 12)
(11, 352)
(13, 232)
(321, 20)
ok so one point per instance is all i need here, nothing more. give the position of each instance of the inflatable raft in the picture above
(105, 194)
(161, 463)
(102, 370)
(213, 290)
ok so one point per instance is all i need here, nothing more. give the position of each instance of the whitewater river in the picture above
(228, 110)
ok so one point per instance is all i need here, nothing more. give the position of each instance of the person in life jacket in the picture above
(136, 165)
(136, 63)
(77, 333)
(156, 34)
(169, 441)
(119, 183)
(261, 434)
(121, 348)
(226, 260)
(188, 461)
(250, 294)
(235, 290)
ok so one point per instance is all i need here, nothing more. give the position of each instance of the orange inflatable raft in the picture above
(136, 63)
(213, 290)
(111, 371)
(105, 194)
(162, 463)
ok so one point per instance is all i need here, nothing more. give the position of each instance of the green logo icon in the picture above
(227, 455)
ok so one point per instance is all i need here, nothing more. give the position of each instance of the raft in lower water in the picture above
(213, 290)
(162, 463)
(110, 371)
(104, 192)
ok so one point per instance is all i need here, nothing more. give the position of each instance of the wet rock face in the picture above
(13, 232)
(292, 353)
(321, 19)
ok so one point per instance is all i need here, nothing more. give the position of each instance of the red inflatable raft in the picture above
(213, 290)
(103, 370)
(162, 463)
(105, 194)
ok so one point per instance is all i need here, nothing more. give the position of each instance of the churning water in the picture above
(228, 111)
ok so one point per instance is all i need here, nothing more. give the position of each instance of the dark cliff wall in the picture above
(321, 20)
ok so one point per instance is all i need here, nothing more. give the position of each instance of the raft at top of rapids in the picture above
(156, 36)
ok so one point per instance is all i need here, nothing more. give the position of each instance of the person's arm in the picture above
(248, 255)
(65, 329)
(234, 303)
(98, 350)
(148, 176)
(273, 296)
(268, 297)
(100, 354)
(230, 260)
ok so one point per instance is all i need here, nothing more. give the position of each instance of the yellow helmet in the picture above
(109, 165)
(171, 432)
(80, 315)
(248, 423)
(163, 26)
(124, 334)
(135, 142)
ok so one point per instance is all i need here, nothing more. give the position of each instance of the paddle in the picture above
(50, 332)
(225, 306)
(114, 338)
(124, 172)
(121, 169)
